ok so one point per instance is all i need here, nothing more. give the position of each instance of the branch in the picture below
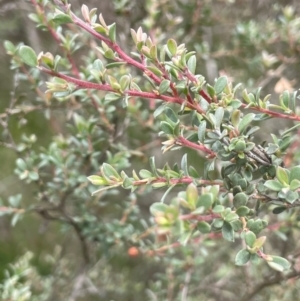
(105, 87)
(184, 142)
(110, 44)
(200, 217)
(269, 282)
(273, 113)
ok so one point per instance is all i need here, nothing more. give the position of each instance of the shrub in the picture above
(113, 106)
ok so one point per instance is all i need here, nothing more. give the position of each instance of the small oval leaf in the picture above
(220, 84)
(28, 56)
(242, 257)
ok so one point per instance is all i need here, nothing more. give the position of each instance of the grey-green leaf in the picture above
(278, 263)
(245, 121)
(219, 114)
(242, 257)
(109, 171)
(227, 231)
(172, 46)
(295, 173)
(204, 227)
(28, 56)
(202, 131)
(192, 64)
(273, 185)
(112, 32)
(250, 238)
(220, 84)
(164, 86)
(61, 18)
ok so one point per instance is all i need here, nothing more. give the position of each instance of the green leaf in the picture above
(193, 172)
(235, 118)
(153, 167)
(159, 184)
(240, 199)
(62, 18)
(184, 165)
(99, 28)
(116, 64)
(28, 56)
(246, 97)
(250, 238)
(285, 99)
(282, 175)
(218, 223)
(219, 114)
(109, 172)
(291, 196)
(97, 180)
(256, 226)
(164, 86)
(33, 175)
(205, 200)
(112, 96)
(192, 195)
(240, 146)
(204, 227)
(245, 121)
(158, 208)
(259, 242)
(218, 209)
(273, 185)
(295, 173)
(242, 257)
(202, 131)
(153, 52)
(170, 114)
(231, 217)
(220, 84)
(172, 46)
(243, 211)
(127, 183)
(9, 47)
(159, 111)
(21, 164)
(145, 174)
(278, 263)
(210, 90)
(237, 225)
(295, 184)
(166, 128)
(191, 64)
(112, 32)
(155, 70)
(227, 232)
(279, 210)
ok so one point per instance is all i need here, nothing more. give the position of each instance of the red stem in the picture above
(199, 217)
(115, 47)
(184, 142)
(105, 87)
(274, 114)
(57, 38)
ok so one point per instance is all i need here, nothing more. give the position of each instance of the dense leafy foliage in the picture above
(230, 205)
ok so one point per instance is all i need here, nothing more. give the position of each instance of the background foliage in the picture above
(63, 244)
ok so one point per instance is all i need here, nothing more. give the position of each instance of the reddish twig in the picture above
(184, 142)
